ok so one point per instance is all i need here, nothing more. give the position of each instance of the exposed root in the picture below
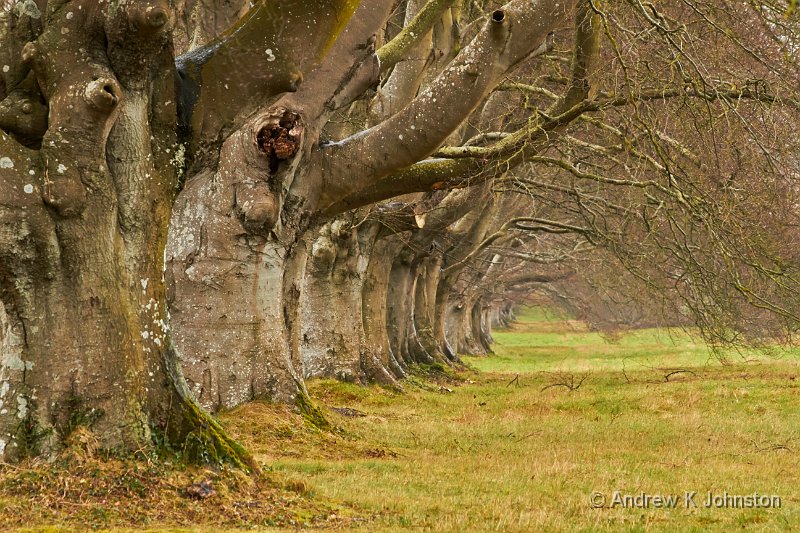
(209, 444)
(312, 414)
(191, 429)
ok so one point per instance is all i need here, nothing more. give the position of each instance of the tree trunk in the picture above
(488, 338)
(443, 313)
(400, 305)
(332, 330)
(480, 333)
(227, 308)
(106, 126)
(379, 362)
(241, 232)
(85, 330)
(429, 327)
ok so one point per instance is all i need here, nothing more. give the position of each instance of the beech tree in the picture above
(244, 229)
(108, 133)
(209, 202)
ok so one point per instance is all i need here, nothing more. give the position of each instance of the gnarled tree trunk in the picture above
(84, 223)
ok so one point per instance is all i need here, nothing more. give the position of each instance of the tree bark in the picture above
(400, 303)
(379, 361)
(86, 334)
(332, 329)
(92, 157)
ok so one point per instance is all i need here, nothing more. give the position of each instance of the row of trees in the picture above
(209, 202)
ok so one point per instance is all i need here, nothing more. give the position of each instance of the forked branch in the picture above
(509, 36)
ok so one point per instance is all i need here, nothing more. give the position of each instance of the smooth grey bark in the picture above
(400, 301)
(332, 334)
(241, 233)
(380, 361)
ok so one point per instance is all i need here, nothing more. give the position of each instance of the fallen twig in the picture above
(679, 371)
(570, 382)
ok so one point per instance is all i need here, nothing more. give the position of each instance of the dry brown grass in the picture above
(84, 489)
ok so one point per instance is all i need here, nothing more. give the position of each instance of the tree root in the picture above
(312, 414)
(208, 443)
(193, 431)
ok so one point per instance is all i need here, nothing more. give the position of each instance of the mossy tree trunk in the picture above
(88, 194)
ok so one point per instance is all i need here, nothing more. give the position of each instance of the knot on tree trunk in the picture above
(23, 113)
(257, 207)
(102, 94)
(280, 138)
(150, 17)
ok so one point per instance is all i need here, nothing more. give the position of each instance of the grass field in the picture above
(654, 412)
(522, 439)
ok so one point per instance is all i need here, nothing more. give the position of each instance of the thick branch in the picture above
(348, 70)
(528, 257)
(396, 217)
(396, 49)
(454, 206)
(585, 52)
(262, 56)
(406, 78)
(429, 216)
(431, 174)
(510, 35)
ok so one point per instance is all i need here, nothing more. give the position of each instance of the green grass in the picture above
(527, 456)
(521, 440)
(539, 342)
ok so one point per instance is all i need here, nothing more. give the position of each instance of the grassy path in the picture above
(488, 454)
